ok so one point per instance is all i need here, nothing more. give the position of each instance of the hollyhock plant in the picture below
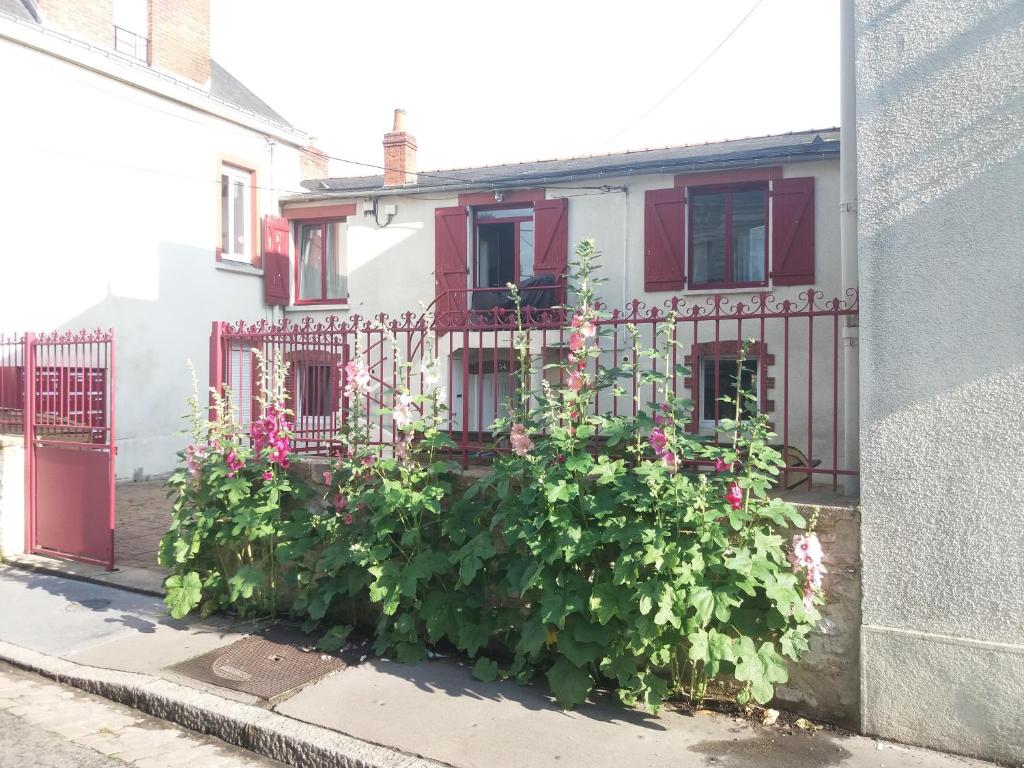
(658, 440)
(328, 478)
(339, 502)
(584, 325)
(721, 466)
(806, 560)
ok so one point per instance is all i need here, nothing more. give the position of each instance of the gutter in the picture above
(825, 151)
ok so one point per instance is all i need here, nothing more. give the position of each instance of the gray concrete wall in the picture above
(940, 131)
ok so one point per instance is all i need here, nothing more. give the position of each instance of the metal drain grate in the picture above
(258, 667)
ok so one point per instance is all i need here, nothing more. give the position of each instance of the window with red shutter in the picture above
(793, 231)
(664, 241)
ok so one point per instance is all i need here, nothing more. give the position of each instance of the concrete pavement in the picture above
(49, 725)
(425, 715)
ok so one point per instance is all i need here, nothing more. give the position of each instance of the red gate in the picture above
(60, 387)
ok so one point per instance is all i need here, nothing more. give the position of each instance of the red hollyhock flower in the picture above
(734, 496)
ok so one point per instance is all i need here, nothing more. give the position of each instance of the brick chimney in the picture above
(313, 161)
(179, 38)
(399, 154)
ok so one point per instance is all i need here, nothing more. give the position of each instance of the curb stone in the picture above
(258, 730)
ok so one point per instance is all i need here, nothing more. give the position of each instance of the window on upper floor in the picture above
(504, 247)
(729, 229)
(237, 213)
(321, 274)
(728, 246)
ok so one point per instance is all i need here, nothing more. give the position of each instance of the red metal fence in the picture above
(794, 364)
(57, 390)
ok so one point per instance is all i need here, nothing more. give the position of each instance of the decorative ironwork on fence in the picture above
(794, 365)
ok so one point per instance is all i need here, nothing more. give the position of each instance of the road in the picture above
(44, 724)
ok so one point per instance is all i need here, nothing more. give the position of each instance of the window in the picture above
(236, 214)
(131, 27)
(314, 391)
(712, 388)
(320, 262)
(504, 247)
(727, 236)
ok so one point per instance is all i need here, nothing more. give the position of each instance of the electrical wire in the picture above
(686, 79)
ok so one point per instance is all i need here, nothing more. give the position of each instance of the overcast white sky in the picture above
(487, 83)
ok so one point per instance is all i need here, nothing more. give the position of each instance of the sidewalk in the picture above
(376, 712)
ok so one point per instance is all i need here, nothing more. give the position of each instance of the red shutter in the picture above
(276, 285)
(664, 239)
(551, 254)
(451, 263)
(793, 231)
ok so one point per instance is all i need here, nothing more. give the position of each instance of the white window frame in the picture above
(710, 424)
(235, 174)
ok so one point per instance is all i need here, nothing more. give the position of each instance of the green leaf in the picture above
(335, 638)
(535, 634)
(485, 670)
(703, 600)
(183, 594)
(569, 684)
(608, 601)
(245, 582)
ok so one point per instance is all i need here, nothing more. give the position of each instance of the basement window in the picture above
(715, 384)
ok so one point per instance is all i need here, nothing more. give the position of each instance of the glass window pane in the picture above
(505, 213)
(337, 280)
(748, 231)
(314, 390)
(525, 249)
(225, 215)
(238, 194)
(310, 261)
(708, 237)
(712, 389)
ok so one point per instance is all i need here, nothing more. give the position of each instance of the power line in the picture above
(683, 82)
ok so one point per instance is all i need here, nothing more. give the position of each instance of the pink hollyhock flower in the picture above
(521, 442)
(357, 378)
(721, 466)
(560, 458)
(339, 502)
(660, 420)
(658, 440)
(584, 326)
(576, 381)
(576, 342)
(267, 476)
(734, 496)
(369, 461)
(808, 596)
(328, 478)
(347, 518)
(665, 407)
(669, 460)
(234, 462)
(807, 552)
(403, 414)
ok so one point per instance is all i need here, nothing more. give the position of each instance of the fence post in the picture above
(28, 358)
(216, 363)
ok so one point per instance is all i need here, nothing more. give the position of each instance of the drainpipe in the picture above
(848, 239)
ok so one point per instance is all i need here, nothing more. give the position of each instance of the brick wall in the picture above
(89, 20)
(179, 33)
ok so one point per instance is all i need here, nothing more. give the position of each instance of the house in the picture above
(725, 233)
(137, 171)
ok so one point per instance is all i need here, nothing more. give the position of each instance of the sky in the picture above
(486, 83)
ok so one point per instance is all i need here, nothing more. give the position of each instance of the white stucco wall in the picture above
(940, 124)
(110, 194)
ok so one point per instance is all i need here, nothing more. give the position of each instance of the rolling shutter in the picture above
(793, 231)
(664, 239)
(276, 285)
